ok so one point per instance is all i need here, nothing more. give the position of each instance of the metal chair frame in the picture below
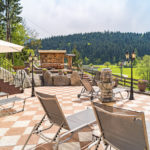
(59, 120)
(123, 114)
(12, 100)
(88, 90)
(119, 91)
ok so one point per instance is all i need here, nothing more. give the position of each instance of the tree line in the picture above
(99, 47)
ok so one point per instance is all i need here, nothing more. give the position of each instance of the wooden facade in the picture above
(55, 59)
(52, 58)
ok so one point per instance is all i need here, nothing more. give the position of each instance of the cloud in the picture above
(61, 17)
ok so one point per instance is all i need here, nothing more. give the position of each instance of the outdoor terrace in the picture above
(14, 129)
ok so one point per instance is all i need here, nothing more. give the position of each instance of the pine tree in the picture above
(9, 15)
(2, 35)
(76, 60)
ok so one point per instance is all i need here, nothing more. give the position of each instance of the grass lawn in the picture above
(116, 70)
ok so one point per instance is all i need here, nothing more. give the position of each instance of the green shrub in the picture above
(44, 69)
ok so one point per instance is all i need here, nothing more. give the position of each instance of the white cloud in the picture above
(61, 17)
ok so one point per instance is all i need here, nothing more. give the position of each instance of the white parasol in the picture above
(7, 47)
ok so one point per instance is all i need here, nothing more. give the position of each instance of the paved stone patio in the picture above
(14, 129)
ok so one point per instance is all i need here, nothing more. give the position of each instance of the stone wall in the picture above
(54, 79)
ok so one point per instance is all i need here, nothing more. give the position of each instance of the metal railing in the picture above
(8, 74)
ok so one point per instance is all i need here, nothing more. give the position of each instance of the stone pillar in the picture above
(105, 85)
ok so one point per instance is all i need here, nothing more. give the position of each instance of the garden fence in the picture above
(124, 81)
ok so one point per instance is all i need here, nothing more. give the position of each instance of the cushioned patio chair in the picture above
(88, 90)
(56, 117)
(121, 129)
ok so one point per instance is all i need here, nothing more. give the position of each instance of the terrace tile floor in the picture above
(14, 129)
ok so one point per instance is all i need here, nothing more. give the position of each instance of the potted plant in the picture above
(44, 70)
(65, 73)
(115, 80)
(60, 72)
(142, 84)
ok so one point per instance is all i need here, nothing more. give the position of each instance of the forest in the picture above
(100, 47)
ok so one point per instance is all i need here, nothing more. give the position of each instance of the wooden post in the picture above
(124, 81)
(69, 61)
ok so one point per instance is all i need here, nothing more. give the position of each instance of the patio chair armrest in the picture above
(65, 134)
(96, 143)
(92, 144)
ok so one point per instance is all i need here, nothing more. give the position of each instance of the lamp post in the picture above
(32, 59)
(92, 71)
(131, 57)
(121, 68)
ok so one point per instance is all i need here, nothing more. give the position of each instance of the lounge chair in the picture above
(120, 91)
(88, 90)
(4, 94)
(11, 100)
(56, 117)
(121, 129)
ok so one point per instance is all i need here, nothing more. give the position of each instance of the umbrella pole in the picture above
(12, 58)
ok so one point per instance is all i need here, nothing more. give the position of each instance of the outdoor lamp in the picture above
(32, 59)
(133, 55)
(127, 55)
(35, 57)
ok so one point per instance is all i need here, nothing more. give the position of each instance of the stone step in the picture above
(6, 87)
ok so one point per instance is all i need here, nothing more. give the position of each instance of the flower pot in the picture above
(116, 83)
(18, 67)
(60, 73)
(142, 87)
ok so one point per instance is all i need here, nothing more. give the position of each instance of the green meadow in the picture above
(117, 70)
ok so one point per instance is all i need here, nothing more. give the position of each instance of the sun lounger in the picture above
(88, 90)
(120, 91)
(56, 117)
(121, 129)
(12, 100)
(4, 94)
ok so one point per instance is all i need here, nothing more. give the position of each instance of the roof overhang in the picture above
(52, 51)
(70, 55)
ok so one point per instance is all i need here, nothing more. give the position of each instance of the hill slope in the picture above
(101, 46)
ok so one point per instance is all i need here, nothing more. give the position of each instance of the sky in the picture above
(62, 17)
